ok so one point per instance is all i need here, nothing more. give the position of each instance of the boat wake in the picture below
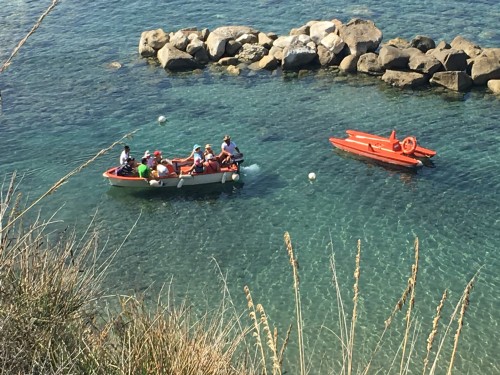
(251, 170)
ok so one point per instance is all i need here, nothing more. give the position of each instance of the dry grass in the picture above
(53, 319)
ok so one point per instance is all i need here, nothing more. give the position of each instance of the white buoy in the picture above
(235, 176)
(224, 176)
(180, 183)
(312, 176)
(162, 119)
(154, 183)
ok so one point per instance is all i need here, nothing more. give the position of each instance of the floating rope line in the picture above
(65, 179)
(33, 29)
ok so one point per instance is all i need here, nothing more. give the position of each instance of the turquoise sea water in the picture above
(62, 103)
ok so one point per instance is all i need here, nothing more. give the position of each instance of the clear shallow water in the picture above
(62, 102)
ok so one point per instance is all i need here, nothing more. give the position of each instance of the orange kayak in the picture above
(405, 153)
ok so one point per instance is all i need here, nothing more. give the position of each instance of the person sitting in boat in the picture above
(126, 169)
(143, 169)
(208, 151)
(211, 165)
(164, 168)
(150, 160)
(125, 155)
(228, 151)
(197, 157)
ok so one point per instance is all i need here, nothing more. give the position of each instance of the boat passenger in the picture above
(228, 151)
(149, 159)
(211, 164)
(208, 150)
(126, 169)
(143, 169)
(125, 155)
(197, 156)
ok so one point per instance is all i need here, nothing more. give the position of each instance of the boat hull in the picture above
(226, 175)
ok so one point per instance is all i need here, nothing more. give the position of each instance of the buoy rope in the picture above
(65, 179)
(33, 29)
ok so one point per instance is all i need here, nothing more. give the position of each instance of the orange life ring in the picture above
(409, 145)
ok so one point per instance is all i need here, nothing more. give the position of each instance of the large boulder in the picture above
(217, 39)
(486, 66)
(456, 81)
(268, 62)
(398, 42)
(349, 64)
(361, 36)
(252, 52)
(369, 63)
(194, 45)
(174, 59)
(265, 40)
(151, 41)
(471, 49)
(333, 42)
(326, 57)
(393, 58)
(404, 79)
(427, 64)
(179, 40)
(423, 43)
(451, 59)
(320, 29)
(297, 55)
(494, 85)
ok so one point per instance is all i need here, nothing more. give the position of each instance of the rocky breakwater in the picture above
(352, 47)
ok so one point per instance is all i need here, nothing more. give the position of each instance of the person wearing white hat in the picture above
(228, 150)
(211, 164)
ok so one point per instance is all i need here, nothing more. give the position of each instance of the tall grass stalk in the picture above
(412, 283)
(434, 331)
(298, 306)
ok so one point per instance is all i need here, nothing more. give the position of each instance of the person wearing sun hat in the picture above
(208, 150)
(228, 150)
(197, 156)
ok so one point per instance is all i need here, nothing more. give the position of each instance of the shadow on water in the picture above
(188, 193)
(427, 162)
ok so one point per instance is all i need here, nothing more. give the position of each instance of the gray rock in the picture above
(456, 81)
(268, 62)
(265, 41)
(301, 30)
(451, 59)
(232, 47)
(423, 43)
(226, 61)
(247, 38)
(179, 40)
(174, 59)
(486, 66)
(320, 29)
(252, 52)
(201, 56)
(349, 64)
(297, 55)
(333, 42)
(471, 49)
(194, 46)
(217, 39)
(494, 85)
(393, 58)
(404, 79)
(422, 63)
(398, 43)
(151, 41)
(361, 36)
(369, 63)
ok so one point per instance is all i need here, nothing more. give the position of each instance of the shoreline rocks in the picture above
(354, 47)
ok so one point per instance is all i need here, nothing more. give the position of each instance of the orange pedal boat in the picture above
(405, 153)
